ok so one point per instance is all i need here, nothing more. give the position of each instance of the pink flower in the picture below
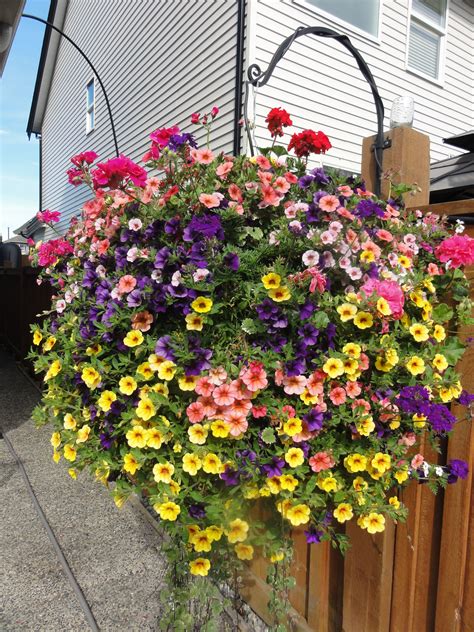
(294, 384)
(353, 389)
(48, 217)
(269, 196)
(258, 411)
(384, 235)
(87, 157)
(224, 395)
(204, 387)
(195, 412)
(195, 116)
(390, 291)
(291, 178)
(310, 258)
(361, 403)
(337, 395)
(281, 186)
(113, 172)
(417, 461)
(103, 246)
(237, 423)
(321, 461)
(345, 190)
(214, 111)
(408, 439)
(235, 193)
(223, 169)
(209, 200)
(126, 284)
(218, 375)
(209, 407)
(329, 203)
(241, 406)
(162, 136)
(202, 156)
(254, 377)
(433, 269)
(241, 390)
(135, 224)
(458, 250)
(263, 162)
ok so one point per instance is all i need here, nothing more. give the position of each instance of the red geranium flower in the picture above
(277, 119)
(308, 142)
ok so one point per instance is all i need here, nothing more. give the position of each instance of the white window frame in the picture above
(348, 28)
(90, 109)
(442, 31)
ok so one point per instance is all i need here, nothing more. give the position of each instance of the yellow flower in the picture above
(53, 370)
(404, 261)
(175, 488)
(83, 434)
(328, 484)
(131, 465)
(375, 522)
(133, 338)
(154, 438)
(307, 398)
(37, 337)
(415, 365)
(214, 532)
(343, 512)
(191, 463)
(293, 426)
(418, 299)
(419, 332)
(155, 361)
(187, 382)
(212, 464)
(202, 305)
(244, 551)
(145, 409)
(72, 473)
(355, 462)
(299, 514)
(106, 399)
(69, 422)
(439, 333)
(220, 429)
(55, 439)
(367, 256)
(333, 367)
(200, 566)
(392, 356)
(162, 472)
(419, 421)
(119, 499)
(287, 481)
(393, 500)
(237, 531)
(167, 370)
(359, 484)
(271, 281)
(440, 362)
(352, 349)
(294, 457)
(194, 322)
(90, 376)
(177, 448)
(201, 541)
(383, 307)
(161, 388)
(401, 476)
(274, 484)
(446, 394)
(145, 370)
(93, 349)
(168, 511)
(346, 311)
(350, 366)
(49, 344)
(137, 437)
(382, 364)
(197, 434)
(363, 320)
(381, 462)
(280, 294)
(127, 385)
(276, 557)
(69, 452)
(365, 426)
(56, 456)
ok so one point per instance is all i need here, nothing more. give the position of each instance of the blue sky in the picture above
(19, 157)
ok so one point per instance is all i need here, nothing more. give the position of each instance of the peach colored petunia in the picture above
(208, 406)
(353, 389)
(240, 389)
(265, 177)
(209, 200)
(224, 395)
(203, 156)
(195, 412)
(235, 193)
(294, 384)
(321, 461)
(217, 376)
(269, 197)
(337, 396)
(384, 235)
(204, 387)
(281, 186)
(361, 403)
(241, 406)
(263, 162)
(126, 284)
(224, 169)
(329, 203)
(237, 423)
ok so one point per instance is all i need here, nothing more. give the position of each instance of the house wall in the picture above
(159, 61)
(320, 85)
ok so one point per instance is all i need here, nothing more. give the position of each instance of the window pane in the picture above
(423, 52)
(364, 14)
(90, 93)
(432, 10)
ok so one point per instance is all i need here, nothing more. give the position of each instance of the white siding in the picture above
(320, 85)
(160, 60)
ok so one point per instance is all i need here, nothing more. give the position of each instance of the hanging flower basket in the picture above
(245, 330)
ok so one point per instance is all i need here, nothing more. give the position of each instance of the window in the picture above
(426, 37)
(363, 14)
(90, 106)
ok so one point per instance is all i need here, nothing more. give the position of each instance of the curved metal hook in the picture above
(258, 78)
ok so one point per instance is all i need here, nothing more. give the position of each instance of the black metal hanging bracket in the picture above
(258, 78)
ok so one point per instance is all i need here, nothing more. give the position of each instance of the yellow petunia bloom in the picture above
(202, 305)
(440, 362)
(83, 434)
(299, 514)
(69, 452)
(145, 370)
(367, 256)
(401, 476)
(347, 311)
(200, 566)
(127, 385)
(130, 463)
(220, 429)
(133, 338)
(93, 349)
(287, 482)
(271, 281)
(49, 344)
(55, 440)
(375, 522)
(106, 399)
(167, 370)
(307, 398)
(237, 531)
(359, 484)
(162, 472)
(145, 409)
(168, 511)
(56, 456)
(294, 457)
(197, 434)
(214, 532)
(72, 473)
(244, 551)
(383, 307)
(293, 426)
(439, 333)
(69, 422)
(53, 370)
(137, 437)
(381, 462)
(333, 367)
(343, 512)
(393, 500)
(154, 438)
(419, 332)
(365, 426)
(187, 382)
(327, 484)
(415, 365)
(404, 261)
(201, 542)
(161, 388)
(155, 361)
(191, 463)
(363, 320)
(194, 322)
(419, 421)
(212, 464)
(355, 462)
(280, 294)
(352, 349)
(274, 484)
(277, 557)
(90, 377)
(37, 337)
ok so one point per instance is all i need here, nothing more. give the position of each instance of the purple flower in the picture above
(164, 349)
(313, 536)
(267, 309)
(309, 334)
(232, 261)
(458, 468)
(320, 175)
(465, 398)
(230, 477)
(295, 367)
(314, 419)
(274, 468)
(441, 418)
(368, 208)
(177, 141)
(204, 227)
(307, 310)
(134, 299)
(173, 226)
(305, 181)
(161, 258)
(197, 511)
(106, 440)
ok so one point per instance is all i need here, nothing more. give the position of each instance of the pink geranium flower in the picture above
(48, 217)
(458, 250)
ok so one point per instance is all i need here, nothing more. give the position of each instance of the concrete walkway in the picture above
(114, 554)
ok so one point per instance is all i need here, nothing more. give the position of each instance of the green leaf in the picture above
(278, 150)
(442, 313)
(454, 351)
(268, 435)
(248, 326)
(320, 320)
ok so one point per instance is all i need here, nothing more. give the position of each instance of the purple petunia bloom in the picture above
(305, 181)
(197, 511)
(458, 468)
(204, 227)
(314, 419)
(164, 349)
(306, 310)
(172, 226)
(177, 141)
(161, 258)
(295, 367)
(232, 261)
(312, 214)
(313, 536)
(134, 299)
(266, 309)
(320, 175)
(309, 334)
(230, 477)
(465, 399)
(106, 440)
(368, 208)
(274, 468)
